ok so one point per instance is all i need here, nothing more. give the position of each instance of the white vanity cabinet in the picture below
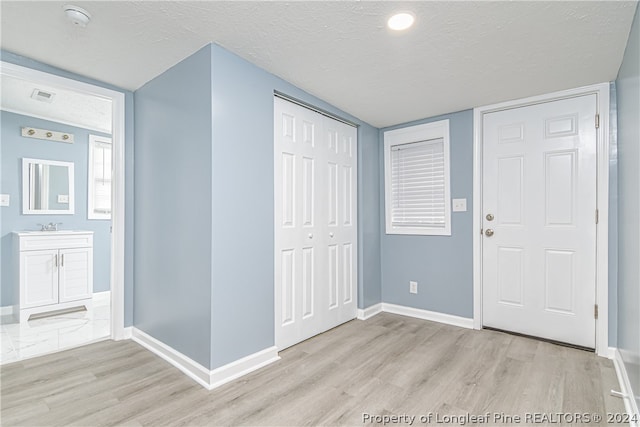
(55, 271)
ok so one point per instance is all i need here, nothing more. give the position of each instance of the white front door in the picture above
(539, 220)
(315, 223)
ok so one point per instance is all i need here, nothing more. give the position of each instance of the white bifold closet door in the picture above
(315, 223)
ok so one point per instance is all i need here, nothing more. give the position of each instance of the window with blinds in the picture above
(417, 180)
(100, 153)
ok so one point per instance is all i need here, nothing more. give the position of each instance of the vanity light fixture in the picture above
(47, 135)
(77, 15)
(401, 21)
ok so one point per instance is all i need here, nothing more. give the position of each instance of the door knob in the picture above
(490, 217)
(330, 234)
(310, 236)
(488, 232)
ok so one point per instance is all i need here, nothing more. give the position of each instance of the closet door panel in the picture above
(315, 226)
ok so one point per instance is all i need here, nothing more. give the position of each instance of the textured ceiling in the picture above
(73, 108)
(458, 54)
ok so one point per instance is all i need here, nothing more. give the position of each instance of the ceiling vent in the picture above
(41, 95)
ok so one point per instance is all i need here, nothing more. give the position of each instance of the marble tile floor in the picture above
(54, 333)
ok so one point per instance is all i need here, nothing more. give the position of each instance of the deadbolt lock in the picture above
(490, 217)
(488, 232)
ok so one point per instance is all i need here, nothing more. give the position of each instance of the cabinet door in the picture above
(76, 274)
(39, 278)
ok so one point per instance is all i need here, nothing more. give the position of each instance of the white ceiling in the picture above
(458, 54)
(72, 108)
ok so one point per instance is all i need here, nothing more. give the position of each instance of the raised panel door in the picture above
(315, 223)
(539, 183)
(298, 218)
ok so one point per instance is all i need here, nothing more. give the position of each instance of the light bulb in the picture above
(400, 21)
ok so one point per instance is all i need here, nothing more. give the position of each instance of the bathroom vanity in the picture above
(55, 271)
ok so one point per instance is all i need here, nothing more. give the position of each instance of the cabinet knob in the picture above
(330, 234)
(310, 236)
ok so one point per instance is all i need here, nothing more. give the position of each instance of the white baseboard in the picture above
(630, 404)
(433, 316)
(449, 319)
(190, 367)
(209, 379)
(369, 312)
(240, 367)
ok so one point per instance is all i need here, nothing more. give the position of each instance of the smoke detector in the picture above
(77, 15)
(44, 96)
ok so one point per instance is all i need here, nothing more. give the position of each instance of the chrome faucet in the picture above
(52, 226)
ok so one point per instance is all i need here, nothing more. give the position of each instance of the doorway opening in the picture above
(82, 311)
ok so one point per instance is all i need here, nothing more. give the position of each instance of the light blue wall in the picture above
(628, 94)
(173, 173)
(128, 267)
(205, 231)
(243, 223)
(442, 265)
(13, 147)
(369, 217)
(404, 257)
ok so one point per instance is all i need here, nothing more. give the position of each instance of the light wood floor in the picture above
(386, 365)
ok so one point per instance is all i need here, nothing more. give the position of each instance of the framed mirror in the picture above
(47, 187)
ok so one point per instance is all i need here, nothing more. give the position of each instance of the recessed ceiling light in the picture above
(77, 15)
(400, 21)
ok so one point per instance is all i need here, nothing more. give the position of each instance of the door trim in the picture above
(602, 201)
(118, 189)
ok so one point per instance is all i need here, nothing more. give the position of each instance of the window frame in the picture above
(95, 140)
(412, 134)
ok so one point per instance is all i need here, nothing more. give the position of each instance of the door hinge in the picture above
(597, 121)
(595, 311)
(597, 216)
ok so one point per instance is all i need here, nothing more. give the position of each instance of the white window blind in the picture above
(418, 184)
(416, 180)
(100, 153)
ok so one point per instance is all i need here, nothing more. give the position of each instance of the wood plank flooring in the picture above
(387, 365)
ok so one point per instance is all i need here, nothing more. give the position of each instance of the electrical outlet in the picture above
(4, 199)
(413, 287)
(63, 198)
